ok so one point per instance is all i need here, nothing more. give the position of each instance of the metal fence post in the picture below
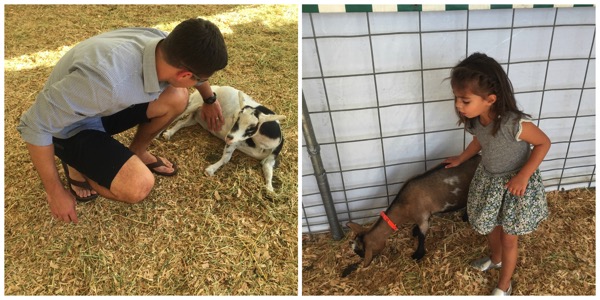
(320, 173)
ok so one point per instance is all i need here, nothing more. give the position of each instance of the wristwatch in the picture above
(211, 99)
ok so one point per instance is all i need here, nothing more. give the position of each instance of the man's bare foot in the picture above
(158, 165)
(79, 185)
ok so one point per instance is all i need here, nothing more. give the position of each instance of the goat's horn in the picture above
(268, 118)
(241, 99)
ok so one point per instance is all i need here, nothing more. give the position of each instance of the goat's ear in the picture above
(267, 118)
(368, 257)
(241, 99)
(357, 229)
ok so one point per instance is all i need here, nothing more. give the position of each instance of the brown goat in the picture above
(437, 190)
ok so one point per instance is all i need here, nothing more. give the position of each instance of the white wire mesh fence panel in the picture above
(382, 111)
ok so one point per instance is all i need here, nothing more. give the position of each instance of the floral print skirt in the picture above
(490, 204)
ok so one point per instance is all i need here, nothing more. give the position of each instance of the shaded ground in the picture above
(193, 235)
(557, 259)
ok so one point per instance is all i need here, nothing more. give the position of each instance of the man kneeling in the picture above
(108, 84)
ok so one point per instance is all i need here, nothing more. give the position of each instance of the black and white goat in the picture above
(249, 127)
(437, 190)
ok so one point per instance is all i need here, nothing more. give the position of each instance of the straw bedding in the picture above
(193, 235)
(557, 259)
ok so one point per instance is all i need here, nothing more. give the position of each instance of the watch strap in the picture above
(211, 99)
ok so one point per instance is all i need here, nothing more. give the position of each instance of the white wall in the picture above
(382, 112)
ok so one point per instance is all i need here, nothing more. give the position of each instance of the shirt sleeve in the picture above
(65, 102)
(519, 128)
(513, 126)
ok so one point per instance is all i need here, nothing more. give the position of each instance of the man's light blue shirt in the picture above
(98, 77)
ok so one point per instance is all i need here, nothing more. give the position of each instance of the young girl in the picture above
(506, 197)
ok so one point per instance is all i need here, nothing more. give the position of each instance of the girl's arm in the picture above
(541, 144)
(473, 148)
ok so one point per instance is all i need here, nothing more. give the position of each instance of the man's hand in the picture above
(213, 116)
(62, 205)
(61, 201)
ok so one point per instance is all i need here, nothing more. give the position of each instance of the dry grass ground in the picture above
(557, 259)
(193, 235)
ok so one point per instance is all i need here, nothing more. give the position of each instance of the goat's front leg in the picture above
(227, 152)
(267, 165)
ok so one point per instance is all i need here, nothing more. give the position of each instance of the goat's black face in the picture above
(359, 245)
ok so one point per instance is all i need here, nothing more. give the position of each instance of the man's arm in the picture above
(61, 201)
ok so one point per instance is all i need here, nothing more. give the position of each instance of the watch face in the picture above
(211, 99)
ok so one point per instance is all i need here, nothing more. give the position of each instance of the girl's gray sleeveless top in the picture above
(503, 153)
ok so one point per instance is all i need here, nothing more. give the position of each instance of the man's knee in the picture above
(141, 189)
(133, 183)
(170, 104)
(178, 100)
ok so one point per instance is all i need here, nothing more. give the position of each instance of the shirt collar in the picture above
(151, 84)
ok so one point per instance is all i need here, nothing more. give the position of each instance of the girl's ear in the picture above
(491, 99)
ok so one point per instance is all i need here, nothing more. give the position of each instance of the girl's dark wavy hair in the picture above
(197, 45)
(483, 76)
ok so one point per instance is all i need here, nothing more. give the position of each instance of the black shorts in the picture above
(97, 154)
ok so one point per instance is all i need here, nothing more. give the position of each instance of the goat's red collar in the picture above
(388, 221)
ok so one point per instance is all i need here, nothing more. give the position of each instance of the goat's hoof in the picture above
(465, 217)
(270, 194)
(166, 136)
(417, 255)
(270, 189)
(209, 171)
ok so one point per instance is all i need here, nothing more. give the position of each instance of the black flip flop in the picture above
(81, 184)
(160, 163)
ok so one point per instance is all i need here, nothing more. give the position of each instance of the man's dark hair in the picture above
(196, 45)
